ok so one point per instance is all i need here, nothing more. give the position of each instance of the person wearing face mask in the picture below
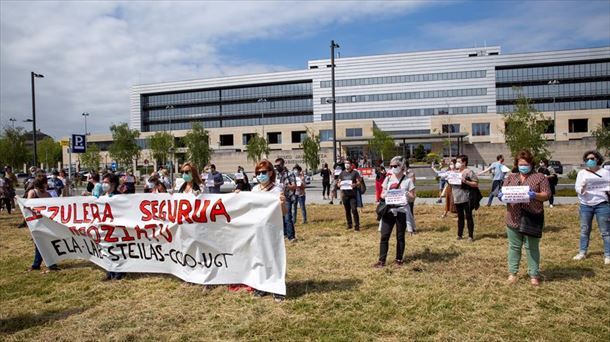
(396, 214)
(462, 196)
(129, 182)
(551, 175)
(191, 179)
(337, 169)
(242, 184)
(499, 172)
(300, 194)
(39, 190)
(347, 183)
(110, 188)
(286, 180)
(94, 187)
(448, 193)
(525, 221)
(325, 173)
(214, 181)
(592, 189)
(380, 175)
(441, 173)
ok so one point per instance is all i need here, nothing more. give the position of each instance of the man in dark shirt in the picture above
(325, 173)
(348, 181)
(287, 181)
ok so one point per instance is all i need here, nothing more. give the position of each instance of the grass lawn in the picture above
(447, 290)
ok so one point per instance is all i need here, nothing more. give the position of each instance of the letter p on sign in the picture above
(79, 143)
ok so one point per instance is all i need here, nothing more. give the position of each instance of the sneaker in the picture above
(259, 294)
(579, 256)
(331, 202)
(379, 264)
(512, 279)
(535, 282)
(439, 201)
(606, 260)
(348, 228)
(398, 263)
(293, 240)
(471, 240)
(278, 298)
(551, 206)
(357, 229)
(459, 238)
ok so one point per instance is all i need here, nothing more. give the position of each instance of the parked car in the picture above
(556, 165)
(21, 177)
(228, 185)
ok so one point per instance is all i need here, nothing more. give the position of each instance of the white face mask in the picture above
(395, 170)
(458, 165)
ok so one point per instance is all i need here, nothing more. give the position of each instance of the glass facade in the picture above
(451, 128)
(559, 90)
(559, 106)
(326, 135)
(229, 107)
(480, 129)
(414, 95)
(553, 72)
(441, 76)
(353, 132)
(406, 113)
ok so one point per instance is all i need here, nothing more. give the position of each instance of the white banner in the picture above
(209, 239)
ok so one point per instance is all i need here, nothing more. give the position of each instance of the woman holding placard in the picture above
(462, 180)
(397, 190)
(191, 179)
(593, 186)
(524, 192)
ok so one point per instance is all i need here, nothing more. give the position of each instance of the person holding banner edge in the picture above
(592, 186)
(525, 221)
(39, 191)
(110, 187)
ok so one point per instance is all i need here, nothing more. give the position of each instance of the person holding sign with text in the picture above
(214, 181)
(110, 187)
(525, 215)
(397, 189)
(593, 189)
(241, 180)
(462, 180)
(347, 183)
(39, 190)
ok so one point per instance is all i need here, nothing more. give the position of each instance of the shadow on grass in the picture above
(25, 321)
(429, 256)
(554, 229)
(297, 289)
(491, 236)
(560, 273)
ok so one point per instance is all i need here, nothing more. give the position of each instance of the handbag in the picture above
(531, 224)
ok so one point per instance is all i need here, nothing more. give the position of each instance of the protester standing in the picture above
(380, 175)
(241, 184)
(13, 184)
(214, 181)
(347, 183)
(461, 197)
(325, 173)
(591, 186)
(337, 169)
(499, 172)
(5, 193)
(287, 182)
(129, 182)
(551, 175)
(191, 179)
(299, 194)
(441, 173)
(110, 188)
(448, 193)
(396, 214)
(39, 190)
(525, 221)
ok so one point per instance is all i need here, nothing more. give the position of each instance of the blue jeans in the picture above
(496, 185)
(288, 221)
(299, 202)
(602, 214)
(38, 260)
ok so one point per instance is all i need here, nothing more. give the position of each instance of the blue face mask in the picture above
(187, 178)
(591, 163)
(262, 178)
(525, 169)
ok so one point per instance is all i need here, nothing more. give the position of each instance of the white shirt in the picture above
(274, 190)
(595, 196)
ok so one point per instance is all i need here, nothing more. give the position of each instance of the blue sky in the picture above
(91, 53)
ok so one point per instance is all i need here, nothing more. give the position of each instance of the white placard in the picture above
(204, 176)
(515, 194)
(346, 185)
(396, 197)
(239, 176)
(338, 172)
(299, 181)
(597, 184)
(504, 169)
(209, 183)
(454, 178)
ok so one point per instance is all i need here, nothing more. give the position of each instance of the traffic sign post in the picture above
(79, 143)
(113, 166)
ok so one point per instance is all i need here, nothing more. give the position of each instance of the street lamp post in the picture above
(34, 75)
(262, 121)
(554, 84)
(169, 116)
(12, 120)
(333, 45)
(85, 114)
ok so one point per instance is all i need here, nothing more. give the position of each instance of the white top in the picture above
(590, 196)
(407, 185)
(274, 190)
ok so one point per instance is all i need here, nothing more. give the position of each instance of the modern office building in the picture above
(416, 97)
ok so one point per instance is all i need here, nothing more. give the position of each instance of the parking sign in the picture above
(79, 143)
(113, 166)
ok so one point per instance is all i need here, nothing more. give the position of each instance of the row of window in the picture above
(440, 76)
(406, 113)
(558, 90)
(292, 119)
(559, 106)
(258, 108)
(428, 94)
(182, 113)
(478, 129)
(260, 92)
(554, 72)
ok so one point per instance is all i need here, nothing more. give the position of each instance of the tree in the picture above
(311, 150)
(49, 152)
(419, 153)
(256, 148)
(124, 148)
(197, 140)
(602, 139)
(525, 128)
(382, 144)
(91, 159)
(160, 143)
(13, 150)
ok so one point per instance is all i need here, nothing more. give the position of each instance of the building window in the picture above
(326, 135)
(353, 132)
(274, 137)
(578, 125)
(226, 140)
(298, 136)
(451, 128)
(246, 138)
(606, 122)
(480, 129)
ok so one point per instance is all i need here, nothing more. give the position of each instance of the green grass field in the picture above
(448, 290)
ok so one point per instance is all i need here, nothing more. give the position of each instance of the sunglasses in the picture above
(394, 166)
(592, 158)
(262, 172)
(186, 171)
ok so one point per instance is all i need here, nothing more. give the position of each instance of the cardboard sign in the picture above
(454, 178)
(346, 185)
(299, 181)
(338, 172)
(597, 184)
(504, 169)
(239, 176)
(396, 197)
(515, 194)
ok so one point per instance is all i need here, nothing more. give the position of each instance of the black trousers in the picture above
(351, 209)
(387, 224)
(325, 189)
(464, 211)
(6, 203)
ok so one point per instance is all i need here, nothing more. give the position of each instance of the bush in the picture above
(433, 158)
(572, 174)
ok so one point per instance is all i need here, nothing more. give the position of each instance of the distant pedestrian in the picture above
(441, 173)
(551, 175)
(128, 183)
(299, 194)
(499, 173)
(287, 182)
(214, 181)
(337, 169)
(461, 197)
(447, 193)
(241, 180)
(380, 175)
(5, 193)
(347, 183)
(325, 173)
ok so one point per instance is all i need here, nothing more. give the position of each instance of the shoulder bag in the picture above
(382, 207)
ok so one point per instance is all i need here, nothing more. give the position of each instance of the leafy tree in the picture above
(124, 148)
(525, 128)
(382, 144)
(160, 143)
(419, 153)
(91, 159)
(49, 152)
(197, 140)
(311, 150)
(256, 148)
(602, 139)
(13, 150)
